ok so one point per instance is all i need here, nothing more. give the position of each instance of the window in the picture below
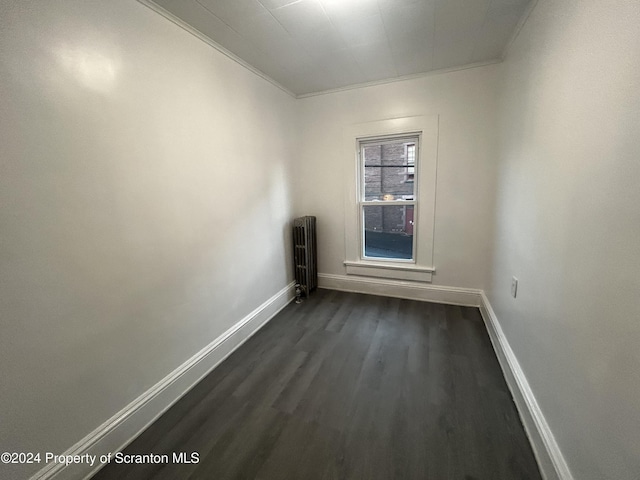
(410, 155)
(388, 198)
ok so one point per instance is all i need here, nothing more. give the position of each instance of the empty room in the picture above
(320, 239)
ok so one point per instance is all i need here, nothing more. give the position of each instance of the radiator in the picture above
(305, 256)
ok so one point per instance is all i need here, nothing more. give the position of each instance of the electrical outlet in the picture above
(514, 287)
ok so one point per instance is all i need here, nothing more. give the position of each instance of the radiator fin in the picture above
(305, 255)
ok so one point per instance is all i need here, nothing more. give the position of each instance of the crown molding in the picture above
(188, 28)
(402, 78)
(519, 26)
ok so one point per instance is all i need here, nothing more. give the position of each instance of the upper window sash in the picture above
(387, 179)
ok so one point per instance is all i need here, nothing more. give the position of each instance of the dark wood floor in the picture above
(348, 386)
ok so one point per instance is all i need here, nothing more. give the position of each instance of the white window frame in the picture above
(362, 142)
(421, 268)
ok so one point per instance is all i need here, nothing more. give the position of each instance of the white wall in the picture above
(568, 226)
(144, 208)
(466, 102)
(134, 158)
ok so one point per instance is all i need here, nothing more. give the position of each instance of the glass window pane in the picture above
(389, 170)
(388, 231)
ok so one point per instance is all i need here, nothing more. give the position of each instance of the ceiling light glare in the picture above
(344, 4)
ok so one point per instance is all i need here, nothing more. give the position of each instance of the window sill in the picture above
(390, 270)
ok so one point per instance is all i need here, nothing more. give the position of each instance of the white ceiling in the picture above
(309, 46)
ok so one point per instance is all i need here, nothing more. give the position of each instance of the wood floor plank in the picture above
(348, 386)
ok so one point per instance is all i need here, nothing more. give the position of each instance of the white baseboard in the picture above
(548, 454)
(117, 432)
(550, 459)
(401, 289)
